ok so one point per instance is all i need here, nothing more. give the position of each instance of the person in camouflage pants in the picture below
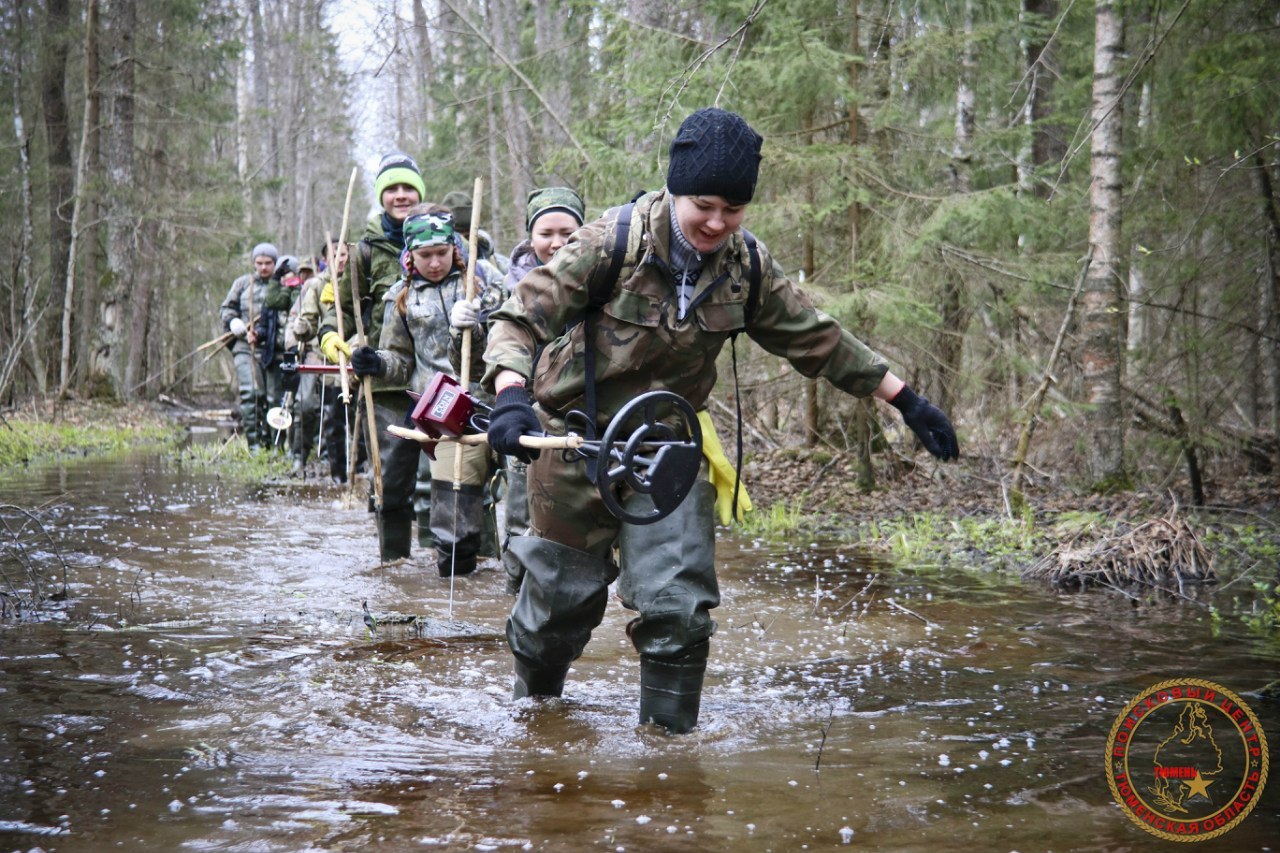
(426, 311)
(682, 292)
(256, 355)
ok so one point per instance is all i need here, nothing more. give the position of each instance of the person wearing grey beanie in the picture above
(265, 250)
(245, 315)
(644, 299)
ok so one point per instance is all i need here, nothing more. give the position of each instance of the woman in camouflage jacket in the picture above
(682, 292)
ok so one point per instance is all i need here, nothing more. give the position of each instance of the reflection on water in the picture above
(213, 686)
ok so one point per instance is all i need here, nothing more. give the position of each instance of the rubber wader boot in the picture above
(533, 680)
(457, 521)
(563, 598)
(395, 534)
(671, 689)
(424, 527)
(422, 502)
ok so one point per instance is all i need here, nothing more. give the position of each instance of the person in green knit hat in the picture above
(375, 260)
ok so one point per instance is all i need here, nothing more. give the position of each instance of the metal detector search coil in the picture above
(652, 446)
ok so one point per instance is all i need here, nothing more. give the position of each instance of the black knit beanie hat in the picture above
(715, 152)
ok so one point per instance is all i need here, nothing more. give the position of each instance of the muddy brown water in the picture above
(212, 685)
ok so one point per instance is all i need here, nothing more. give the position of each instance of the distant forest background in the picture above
(1055, 214)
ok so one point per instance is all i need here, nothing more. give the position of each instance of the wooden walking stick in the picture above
(464, 375)
(333, 282)
(366, 389)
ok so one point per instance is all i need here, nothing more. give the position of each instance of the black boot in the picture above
(671, 689)
(456, 521)
(454, 563)
(533, 680)
(395, 534)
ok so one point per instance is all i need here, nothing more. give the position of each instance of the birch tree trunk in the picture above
(81, 194)
(87, 199)
(21, 317)
(1103, 318)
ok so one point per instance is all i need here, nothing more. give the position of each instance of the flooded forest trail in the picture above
(211, 685)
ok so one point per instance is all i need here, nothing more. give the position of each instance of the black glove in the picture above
(365, 361)
(929, 424)
(287, 264)
(512, 417)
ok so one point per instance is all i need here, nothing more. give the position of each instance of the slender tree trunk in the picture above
(1041, 59)
(244, 121)
(22, 313)
(949, 344)
(1103, 318)
(515, 118)
(1136, 281)
(87, 198)
(1269, 301)
(122, 224)
(863, 410)
(423, 57)
(82, 164)
(53, 99)
(812, 412)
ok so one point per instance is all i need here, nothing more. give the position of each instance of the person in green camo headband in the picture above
(428, 229)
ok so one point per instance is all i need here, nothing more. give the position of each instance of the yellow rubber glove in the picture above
(326, 294)
(331, 345)
(722, 473)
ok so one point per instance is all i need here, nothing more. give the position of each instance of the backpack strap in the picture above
(600, 288)
(753, 275)
(600, 291)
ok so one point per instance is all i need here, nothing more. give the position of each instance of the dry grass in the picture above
(1164, 552)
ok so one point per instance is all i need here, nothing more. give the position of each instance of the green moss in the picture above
(24, 442)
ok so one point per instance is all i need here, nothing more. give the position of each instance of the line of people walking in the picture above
(588, 318)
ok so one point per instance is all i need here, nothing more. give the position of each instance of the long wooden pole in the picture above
(464, 375)
(366, 389)
(333, 280)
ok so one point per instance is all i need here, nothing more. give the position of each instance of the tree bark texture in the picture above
(122, 218)
(53, 99)
(88, 193)
(1103, 317)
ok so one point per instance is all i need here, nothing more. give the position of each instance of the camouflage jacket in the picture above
(639, 344)
(416, 345)
(384, 271)
(304, 319)
(245, 300)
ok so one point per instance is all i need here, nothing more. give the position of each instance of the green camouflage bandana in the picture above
(428, 229)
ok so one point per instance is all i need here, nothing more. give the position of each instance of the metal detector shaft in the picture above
(533, 442)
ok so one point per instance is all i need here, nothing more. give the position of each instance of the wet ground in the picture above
(212, 685)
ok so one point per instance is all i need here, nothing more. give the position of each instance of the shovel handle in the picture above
(533, 442)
